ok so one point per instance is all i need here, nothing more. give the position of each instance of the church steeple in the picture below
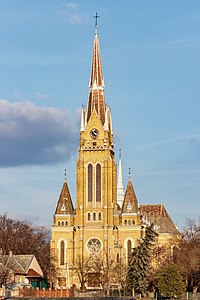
(96, 86)
(65, 204)
(120, 187)
(130, 204)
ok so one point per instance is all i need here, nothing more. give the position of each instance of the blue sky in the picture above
(151, 63)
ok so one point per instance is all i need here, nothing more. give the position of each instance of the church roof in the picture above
(33, 273)
(157, 214)
(96, 87)
(130, 204)
(65, 205)
(19, 263)
(24, 260)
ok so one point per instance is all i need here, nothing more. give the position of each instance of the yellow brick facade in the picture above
(97, 223)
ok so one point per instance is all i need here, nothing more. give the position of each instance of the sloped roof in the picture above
(157, 214)
(24, 260)
(65, 205)
(18, 263)
(130, 204)
(33, 273)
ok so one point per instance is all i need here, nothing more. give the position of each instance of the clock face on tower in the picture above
(94, 133)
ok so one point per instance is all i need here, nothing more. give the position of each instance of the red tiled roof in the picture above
(65, 205)
(130, 204)
(33, 273)
(157, 214)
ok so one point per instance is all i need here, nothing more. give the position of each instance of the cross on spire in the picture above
(96, 21)
(65, 174)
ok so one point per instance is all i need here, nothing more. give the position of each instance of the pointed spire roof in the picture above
(65, 205)
(120, 187)
(96, 86)
(82, 127)
(96, 77)
(130, 204)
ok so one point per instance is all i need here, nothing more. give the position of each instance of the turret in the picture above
(120, 187)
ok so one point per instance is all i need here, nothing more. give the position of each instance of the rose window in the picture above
(94, 246)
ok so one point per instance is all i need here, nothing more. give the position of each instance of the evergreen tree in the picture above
(139, 264)
(170, 282)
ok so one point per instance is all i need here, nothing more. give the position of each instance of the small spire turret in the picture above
(120, 187)
(82, 127)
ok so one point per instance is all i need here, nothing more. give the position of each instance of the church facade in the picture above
(105, 219)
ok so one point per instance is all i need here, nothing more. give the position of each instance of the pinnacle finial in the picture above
(96, 22)
(129, 173)
(65, 174)
(120, 153)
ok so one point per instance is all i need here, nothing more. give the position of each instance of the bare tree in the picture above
(83, 266)
(112, 273)
(187, 255)
(52, 269)
(100, 270)
(7, 269)
(22, 237)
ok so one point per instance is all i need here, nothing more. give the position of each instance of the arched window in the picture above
(125, 222)
(129, 222)
(89, 216)
(94, 216)
(62, 253)
(99, 216)
(98, 183)
(63, 223)
(133, 222)
(66, 223)
(117, 257)
(90, 185)
(58, 223)
(129, 248)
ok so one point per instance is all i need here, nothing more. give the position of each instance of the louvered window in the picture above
(98, 183)
(129, 246)
(62, 253)
(90, 186)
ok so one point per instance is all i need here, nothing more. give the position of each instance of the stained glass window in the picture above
(98, 183)
(90, 185)
(62, 253)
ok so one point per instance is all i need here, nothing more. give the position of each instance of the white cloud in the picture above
(72, 5)
(41, 96)
(36, 135)
(193, 139)
(75, 18)
(72, 13)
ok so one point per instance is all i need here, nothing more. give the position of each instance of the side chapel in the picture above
(105, 219)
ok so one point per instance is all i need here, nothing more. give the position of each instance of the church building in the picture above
(105, 219)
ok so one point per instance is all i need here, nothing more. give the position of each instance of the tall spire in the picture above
(120, 187)
(96, 86)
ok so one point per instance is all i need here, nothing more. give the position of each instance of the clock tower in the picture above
(96, 167)
(105, 222)
(95, 225)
